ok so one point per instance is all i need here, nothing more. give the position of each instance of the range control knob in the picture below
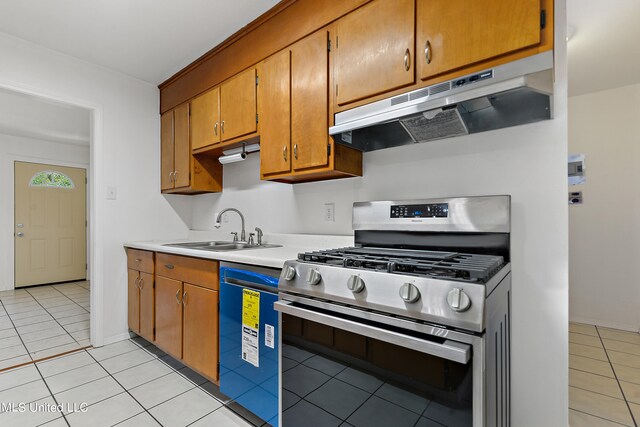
(409, 292)
(355, 284)
(458, 300)
(288, 272)
(313, 277)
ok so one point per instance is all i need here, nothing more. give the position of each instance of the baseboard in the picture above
(605, 323)
(116, 338)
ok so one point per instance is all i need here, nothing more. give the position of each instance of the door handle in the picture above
(141, 283)
(184, 298)
(427, 51)
(215, 128)
(19, 234)
(20, 225)
(178, 297)
(407, 60)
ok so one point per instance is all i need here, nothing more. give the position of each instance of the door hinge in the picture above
(86, 180)
(543, 19)
(329, 45)
(256, 117)
(86, 266)
(328, 149)
(86, 223)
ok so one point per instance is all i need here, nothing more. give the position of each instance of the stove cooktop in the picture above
(421, 263)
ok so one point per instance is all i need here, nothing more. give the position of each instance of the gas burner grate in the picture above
(433, 264)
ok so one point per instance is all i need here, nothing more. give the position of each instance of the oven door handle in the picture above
(450, 350)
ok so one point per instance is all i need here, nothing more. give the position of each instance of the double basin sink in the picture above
(220, 246)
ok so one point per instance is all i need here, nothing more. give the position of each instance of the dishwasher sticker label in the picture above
(251, 308)
(250, 326)
(268, 336)
(250, 345)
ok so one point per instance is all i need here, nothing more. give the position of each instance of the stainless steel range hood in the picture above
(516, 93)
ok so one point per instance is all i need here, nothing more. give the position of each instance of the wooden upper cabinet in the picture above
(238, 105)
(166, 150)
(205, 119)
(200, 334)
(310, 101)
(275, 114)
(182, 148)
(374, 49)
(453, 34)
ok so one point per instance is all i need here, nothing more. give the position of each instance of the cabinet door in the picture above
(238, 105)
(205, 119)
(147, 306)
(169, 315)
(166, 150)
(310, 101)
(182, 149)
(275, 114)
(201, 329)
(457, 33)
(133, 294)
(374, 50)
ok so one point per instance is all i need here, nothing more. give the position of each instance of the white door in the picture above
(50, 224)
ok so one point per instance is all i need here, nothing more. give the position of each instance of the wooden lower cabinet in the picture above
(140, 292)
(169, 315)
(186, 315)
(200, 329)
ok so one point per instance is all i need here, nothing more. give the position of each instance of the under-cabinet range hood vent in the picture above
(513, 94)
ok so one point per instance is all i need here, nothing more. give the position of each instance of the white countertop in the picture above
(292, 245)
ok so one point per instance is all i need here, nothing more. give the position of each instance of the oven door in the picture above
(342, 366)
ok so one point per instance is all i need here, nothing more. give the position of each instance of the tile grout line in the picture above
(53, 317)
(16, 329)
(50, 392)
(617, 380)
(126, 391)
(596, 416)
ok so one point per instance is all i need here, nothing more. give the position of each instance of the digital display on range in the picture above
(437, 210)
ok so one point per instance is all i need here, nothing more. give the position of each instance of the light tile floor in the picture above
(604, 377)
(43, 321)
(129, 383)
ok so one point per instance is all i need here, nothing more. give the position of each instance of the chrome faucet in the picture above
(243, 235)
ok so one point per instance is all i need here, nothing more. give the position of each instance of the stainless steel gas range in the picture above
(411, 327)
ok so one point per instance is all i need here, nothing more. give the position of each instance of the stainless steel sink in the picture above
(220, 246)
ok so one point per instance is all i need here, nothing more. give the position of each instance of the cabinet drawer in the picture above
(140, 260)
(201, 272)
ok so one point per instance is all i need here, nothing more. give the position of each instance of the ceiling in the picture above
(604, 52)
(39, 118)
(147, 39)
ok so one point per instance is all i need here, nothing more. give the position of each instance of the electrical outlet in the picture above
(112, 193)
(330, 212)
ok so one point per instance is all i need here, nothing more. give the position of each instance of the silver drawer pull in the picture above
(169, 266)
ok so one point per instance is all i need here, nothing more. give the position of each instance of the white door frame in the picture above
(11, 249)
(95, 202)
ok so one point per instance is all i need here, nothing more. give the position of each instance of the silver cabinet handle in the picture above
(215, 128)
(427, 51)
(407, 60)
(171, 178)
(175, 176)
(20, 234)
(284, 153)
(295, 151)
(178, 297)
(222, 126)
(169, 266)
(184, 298)
(141, 283)
(137, 282)
(450, 350)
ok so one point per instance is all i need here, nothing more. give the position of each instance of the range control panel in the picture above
(437, 210)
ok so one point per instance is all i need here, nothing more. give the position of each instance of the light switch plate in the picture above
(112, 193)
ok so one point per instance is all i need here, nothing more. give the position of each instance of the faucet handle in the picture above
(259, 231)
(235, 236)
(251, 241)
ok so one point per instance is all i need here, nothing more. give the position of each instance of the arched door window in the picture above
(51, 179)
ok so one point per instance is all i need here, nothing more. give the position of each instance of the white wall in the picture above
(527, 162)
(125, 155)
(604, 232)
(14, 148)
